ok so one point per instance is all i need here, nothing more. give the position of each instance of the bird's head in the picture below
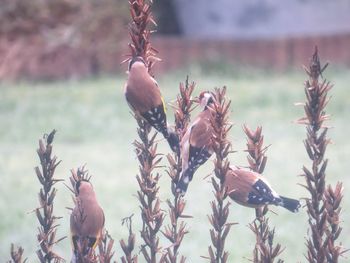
(83, 187)
(137, 62)
(205, 98)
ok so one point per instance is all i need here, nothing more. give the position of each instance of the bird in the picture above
(87, 219)
(196, 144)
(251, 189)
(143, 95)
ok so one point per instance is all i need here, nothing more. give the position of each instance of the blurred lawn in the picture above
(95, 128)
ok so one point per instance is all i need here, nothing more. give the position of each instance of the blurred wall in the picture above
(256, 19)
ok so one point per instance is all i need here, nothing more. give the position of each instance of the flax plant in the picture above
(146, 147)
(128, 247)
(140, 32)
(324, 203)
(16, 255)
(222, 147)
(264, 251)
(176, 230)
(47, 220)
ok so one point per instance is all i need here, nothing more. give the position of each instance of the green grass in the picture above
(95, 128)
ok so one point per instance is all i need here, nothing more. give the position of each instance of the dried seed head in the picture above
(222, 147)
(17, 255)
(44, 213)
(139, 31)
(323, 211)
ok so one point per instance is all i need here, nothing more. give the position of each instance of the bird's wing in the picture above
(143, 93)
(144, 106)
(199, 144)
(185, 149)
(103, 218)
(100, 225)
(156, 117)
(130, 105)
(233, 183)
(261, 194)
(201, 134)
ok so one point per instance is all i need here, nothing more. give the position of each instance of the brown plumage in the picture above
(87, 218)
(141, 90)
(144, 98)
(196, 144)
(251, 189)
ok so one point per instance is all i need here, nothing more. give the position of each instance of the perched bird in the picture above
(251, 189)
(143, 96)
(196, 144)
(87, 218)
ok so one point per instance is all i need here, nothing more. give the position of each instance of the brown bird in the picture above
(87, 218)
(251, 189)
(196, 144)
(144, 98)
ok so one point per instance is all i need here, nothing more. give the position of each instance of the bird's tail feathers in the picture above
(82, 247)
(185, 179)
(173, 140)
(292, 205)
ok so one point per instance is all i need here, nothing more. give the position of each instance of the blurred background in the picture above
(60, 39)
(60, 68)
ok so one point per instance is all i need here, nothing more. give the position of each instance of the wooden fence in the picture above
(34, 60)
